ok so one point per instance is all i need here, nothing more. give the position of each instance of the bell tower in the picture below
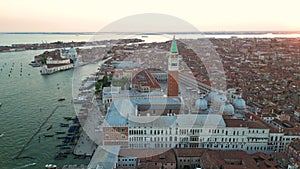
(173, 66)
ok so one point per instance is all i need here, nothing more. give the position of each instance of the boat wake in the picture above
(25, 166)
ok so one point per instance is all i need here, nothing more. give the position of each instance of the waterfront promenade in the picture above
(84, 146)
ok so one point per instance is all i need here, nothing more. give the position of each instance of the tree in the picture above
(43, 60)
(105, 81)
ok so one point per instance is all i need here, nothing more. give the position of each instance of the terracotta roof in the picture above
(227, 166)
(257, 118)
(56, 65)
(228, 158)
(235, 123)
(261, 155)
(150, 155)
(256, 125)
(268, 114)
(145, 78)
(236, 159)
(295, 144)
(141, 152)
(278, 121)
(190, 152)
(148, 166)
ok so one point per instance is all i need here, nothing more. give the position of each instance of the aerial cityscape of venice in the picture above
(149, 85)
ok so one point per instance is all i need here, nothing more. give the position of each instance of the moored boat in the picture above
(68, 118)
(60, 156)
(64, 125)
(60, 132)
(50, 127)
(51, 166)
(61, 99)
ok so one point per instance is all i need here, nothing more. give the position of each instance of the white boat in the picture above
(31, 164)
(0, 104)
(50, 166)
(2, 134)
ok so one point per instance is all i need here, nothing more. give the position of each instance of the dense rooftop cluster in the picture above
(266, 69)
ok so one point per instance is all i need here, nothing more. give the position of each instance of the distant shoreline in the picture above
(157, 33)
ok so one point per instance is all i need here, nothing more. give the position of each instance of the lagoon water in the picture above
(28, 98)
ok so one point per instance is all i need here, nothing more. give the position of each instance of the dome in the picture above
(211, 95)
(201, 104)
(219, 98)
(239, 103)
(72, 50)
(228, 109)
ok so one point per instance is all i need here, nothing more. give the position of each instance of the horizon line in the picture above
(171, 32)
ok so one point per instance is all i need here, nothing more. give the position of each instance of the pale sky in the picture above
(93, 15)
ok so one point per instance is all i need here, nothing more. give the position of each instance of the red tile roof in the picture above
(190, 152)
(145, 78)
(257, 118)
(56, 65)
(150, 155)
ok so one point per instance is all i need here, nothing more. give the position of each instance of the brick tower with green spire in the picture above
(173, 66)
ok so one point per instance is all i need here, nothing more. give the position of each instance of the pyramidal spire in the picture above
(174, 46)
